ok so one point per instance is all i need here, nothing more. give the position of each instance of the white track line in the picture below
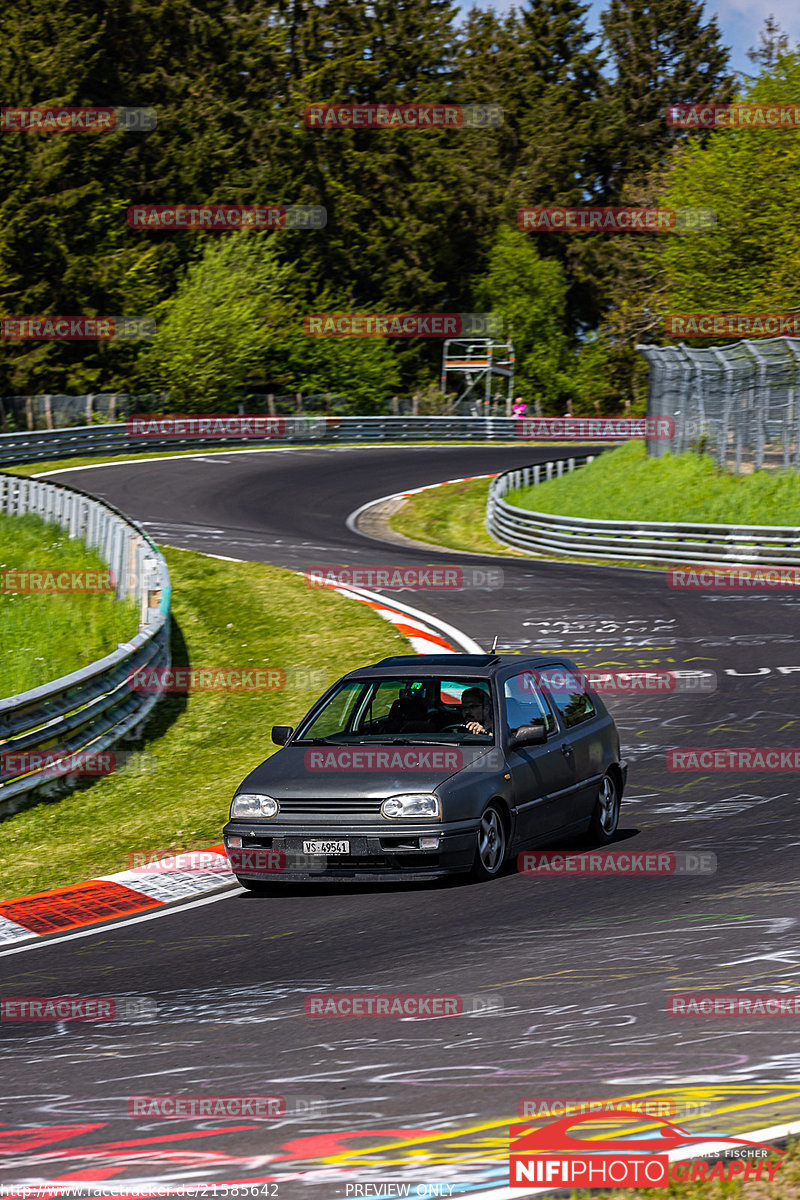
(460, 638)
(208, 455)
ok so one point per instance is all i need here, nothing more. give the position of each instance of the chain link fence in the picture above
(740, 403)
(19, 414)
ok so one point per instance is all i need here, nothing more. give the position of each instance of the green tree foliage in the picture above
(658, 54)
(772, 43)
(751, 259)
(593, 375)
(234, 325)
(412, 216)
(661, 54)
(561, 122)
(530, 294)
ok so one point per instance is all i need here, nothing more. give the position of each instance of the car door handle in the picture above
(566, 749)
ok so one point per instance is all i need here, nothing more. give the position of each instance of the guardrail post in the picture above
(795, 399)
(759, 396)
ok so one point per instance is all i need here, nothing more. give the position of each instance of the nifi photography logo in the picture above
(549, 1156)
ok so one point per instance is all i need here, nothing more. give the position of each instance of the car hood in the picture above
(337, 772)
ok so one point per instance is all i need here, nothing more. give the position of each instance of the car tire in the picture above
(491, 845)
(605, 817)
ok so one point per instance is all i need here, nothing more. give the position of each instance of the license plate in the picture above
(321, 846)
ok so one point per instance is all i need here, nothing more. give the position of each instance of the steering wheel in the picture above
(454, 729)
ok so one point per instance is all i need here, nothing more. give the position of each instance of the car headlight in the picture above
(414, 804)
(245, 805)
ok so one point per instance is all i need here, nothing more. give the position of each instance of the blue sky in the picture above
(739, 20)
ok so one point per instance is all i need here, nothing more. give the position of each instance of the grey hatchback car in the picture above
(421, 766)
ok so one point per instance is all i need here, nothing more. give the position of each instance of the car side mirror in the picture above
(529, 735)
(281, 734)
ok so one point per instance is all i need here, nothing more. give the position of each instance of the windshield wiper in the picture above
(390, 741)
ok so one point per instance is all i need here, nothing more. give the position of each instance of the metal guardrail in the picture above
(92, 709)
(94, 440)
(653, 541)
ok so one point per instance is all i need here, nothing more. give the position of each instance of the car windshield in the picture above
(408, 708)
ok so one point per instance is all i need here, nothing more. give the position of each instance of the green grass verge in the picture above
(626, 485)
(201, 745)
(46, 635)
(452, 515)
(621, 484)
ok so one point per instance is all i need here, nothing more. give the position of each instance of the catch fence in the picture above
(740, 403)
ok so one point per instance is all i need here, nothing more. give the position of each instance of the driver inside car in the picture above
(476, 708)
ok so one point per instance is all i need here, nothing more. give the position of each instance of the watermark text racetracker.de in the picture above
(618, 862)
(227, 216)
(84, 119)
(742, 579)
(400, 577)
(742, 325)
(434, 758)
(75, 329)
(206, 679)
(617, 682)
(735, 759)
(142, 425)
(417, 117)
(154, 862)
(646, 1106)
(595, 429)
(75, 1008)
(399, 1005)
(257, 1108)
(30, 581)
(737, 1004)
(229, 679)
(603, 219)
(733, 116)
(54, 762)
(403, 325)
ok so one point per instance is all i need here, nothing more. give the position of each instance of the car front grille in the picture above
(322, 812)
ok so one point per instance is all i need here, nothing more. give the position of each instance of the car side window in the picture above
(568, 693)
(524, 702)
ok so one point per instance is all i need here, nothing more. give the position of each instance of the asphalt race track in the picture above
(579, 969)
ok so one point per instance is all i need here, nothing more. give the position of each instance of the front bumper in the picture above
(388, 854)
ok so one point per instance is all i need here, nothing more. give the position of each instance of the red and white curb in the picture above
(427, 634)
(184, 876)
(189, 875)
